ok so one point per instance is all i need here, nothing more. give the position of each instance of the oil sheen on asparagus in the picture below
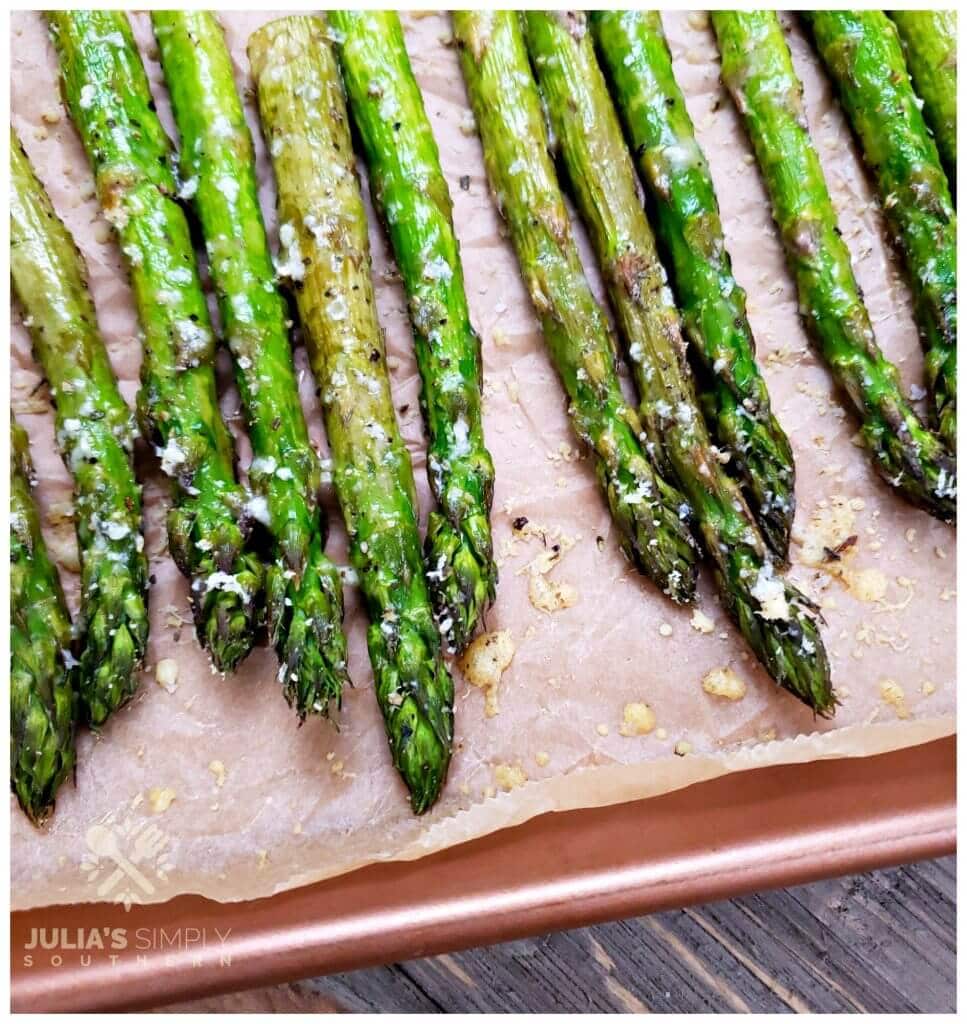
(863, 55)
(758, 71)
(413, 200)
(303, 589)
(634, 57)
(42, 694)
(325, 256)
(651, 515)
(95, 433)
(771, 614)
(929, 41)
(209, 523)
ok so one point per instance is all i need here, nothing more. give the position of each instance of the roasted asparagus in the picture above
(107, 92)
(635, 59)
(772, 615)
(652, 516)
(413, 200)
(863, 55)
(325, 257)
(42, 667)
(304, 601)
(758, 71)
(95, 433)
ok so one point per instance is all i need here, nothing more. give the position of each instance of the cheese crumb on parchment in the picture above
(217, 768)
(542, 758)
(701, 623)
(638, 719)
(683, 747)
(723, 682)
(548, 595)
(485, 661)
(891, 692)
(166, 674)
(160, 799)
(509, 776)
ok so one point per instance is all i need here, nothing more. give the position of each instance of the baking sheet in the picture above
(618, 861)
(195, 785)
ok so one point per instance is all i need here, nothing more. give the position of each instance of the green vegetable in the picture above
(929, 41)
(411, 195)
(107, 93)
(304, 591)
(325, 254)
(95, 432)
(635, 59)
(771, 614)
(757, 68)
(42, 672)
(652, 516)
(862, 53)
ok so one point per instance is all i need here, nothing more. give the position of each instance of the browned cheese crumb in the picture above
(485, 661)
(638, 719)
(723, 682)
(160, 799)
(509, 776)
(891, 692)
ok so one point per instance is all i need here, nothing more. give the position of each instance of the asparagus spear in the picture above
(325, 254)
(863, 55)
(652, 516)
(95, 431)
(42, 697)
(758, 71)
(304, 591)
(771, 614)
(929, 41)
(209, 523)
(635, 58)
(411, 195)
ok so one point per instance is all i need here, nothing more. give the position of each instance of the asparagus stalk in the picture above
(635, 58)
(325, 254)
(95, 432)
(652, 516)
(303, 588)
(42, 697)
(863, 55)
(209, 523)
(757, 68)
(771, 614)
(929, 41)
(411, 195)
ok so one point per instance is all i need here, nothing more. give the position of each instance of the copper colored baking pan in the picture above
(758, 829)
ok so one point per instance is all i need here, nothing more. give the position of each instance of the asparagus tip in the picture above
(462, 580)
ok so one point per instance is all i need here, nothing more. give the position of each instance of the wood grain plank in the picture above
(882, 942)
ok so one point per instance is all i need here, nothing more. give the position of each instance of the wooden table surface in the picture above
(882, 942)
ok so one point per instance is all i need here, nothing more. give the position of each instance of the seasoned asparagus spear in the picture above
(652, 516)
(771, 614)
(42, 697)
(635, 58)
(95, 431)
(929, 41)
(304, 591)
(208, 525)
(862, 53)
(325, 254)
(758, 71)
(411, 195)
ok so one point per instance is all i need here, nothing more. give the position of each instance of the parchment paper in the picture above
(209, 786)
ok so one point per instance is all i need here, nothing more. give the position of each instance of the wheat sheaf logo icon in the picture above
(125, 858)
